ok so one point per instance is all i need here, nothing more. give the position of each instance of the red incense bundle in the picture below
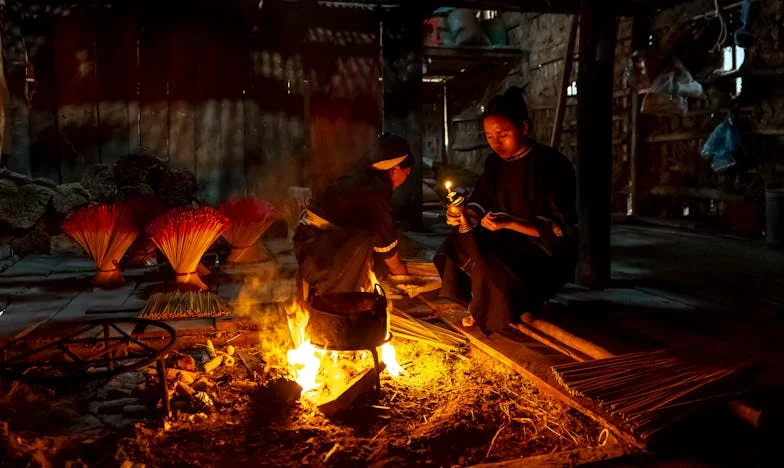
(105, 232)
(250, 218)
(183, 235)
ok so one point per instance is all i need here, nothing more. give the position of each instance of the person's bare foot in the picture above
(469, 322)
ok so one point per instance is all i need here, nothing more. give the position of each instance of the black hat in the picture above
(393, 150)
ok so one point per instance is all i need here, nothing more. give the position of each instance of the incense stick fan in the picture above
(651, 390)
(183, 235)
(105, 232)
(250, 218)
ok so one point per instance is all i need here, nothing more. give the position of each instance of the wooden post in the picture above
(594, 141)
(402, 48)
(560, 110)
(641, 30)
(5, 96)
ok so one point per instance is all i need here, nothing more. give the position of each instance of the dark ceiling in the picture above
(627, 7)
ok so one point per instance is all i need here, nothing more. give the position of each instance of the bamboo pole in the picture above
(575, 342)
(560, 110)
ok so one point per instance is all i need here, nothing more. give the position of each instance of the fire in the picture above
(388, 354)
(304, 363)
(319, 372)
(448, 185)
(389, 357)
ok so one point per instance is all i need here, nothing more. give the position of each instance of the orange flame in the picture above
(319, 372)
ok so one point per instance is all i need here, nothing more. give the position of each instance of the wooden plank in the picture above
(233, 66)
(153, 85)
(44, 151)
(116, 40)
(207, 113)
(533, 361)
(132, 84)
(77, 110)
(254, 154)
(182, 143)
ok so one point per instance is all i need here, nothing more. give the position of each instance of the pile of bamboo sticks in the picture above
(649, 390)
(185, 304)
(421, 268)
(404, 326)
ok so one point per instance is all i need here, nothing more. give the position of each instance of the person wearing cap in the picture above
(348, 227)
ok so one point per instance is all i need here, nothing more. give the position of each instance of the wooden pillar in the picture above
(402, 74)
(641, 30)
(598, 29)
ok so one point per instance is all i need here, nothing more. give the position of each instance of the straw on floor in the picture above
(105, 232)
(250, 217)
(184, 235)
(406, 327)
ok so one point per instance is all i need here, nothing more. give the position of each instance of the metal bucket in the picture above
(348, 321)
(774, 215)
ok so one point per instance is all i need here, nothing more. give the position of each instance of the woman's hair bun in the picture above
(510, 105)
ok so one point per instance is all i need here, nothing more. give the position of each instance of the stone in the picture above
(116, 420)
(138, 168)
(135, 411)
(98, 180)
(63, 244)
(45, 182)
(34, 241)
(7, 187)
(177, 184)
(22, 209)
(86, 423)
(113, 392)
(128, 380)
(127, 192)
(111, 406)
(68, 197)
(19, 179)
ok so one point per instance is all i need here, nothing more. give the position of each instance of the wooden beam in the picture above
(560, 110)
(598, 28)
(473, 53)
(402, 52)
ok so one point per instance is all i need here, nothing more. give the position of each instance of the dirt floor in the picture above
(447, 409)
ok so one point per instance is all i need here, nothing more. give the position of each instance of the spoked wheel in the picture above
(81, 351)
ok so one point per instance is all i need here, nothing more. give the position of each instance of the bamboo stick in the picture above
(575, 342)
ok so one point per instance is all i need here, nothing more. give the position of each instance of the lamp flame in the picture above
(448, 185)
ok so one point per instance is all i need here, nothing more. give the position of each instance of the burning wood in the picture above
(363, 383)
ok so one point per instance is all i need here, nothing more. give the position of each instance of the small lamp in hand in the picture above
(455, 208)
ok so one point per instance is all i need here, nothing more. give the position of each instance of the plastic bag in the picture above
(668, 91)
(723, 146)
